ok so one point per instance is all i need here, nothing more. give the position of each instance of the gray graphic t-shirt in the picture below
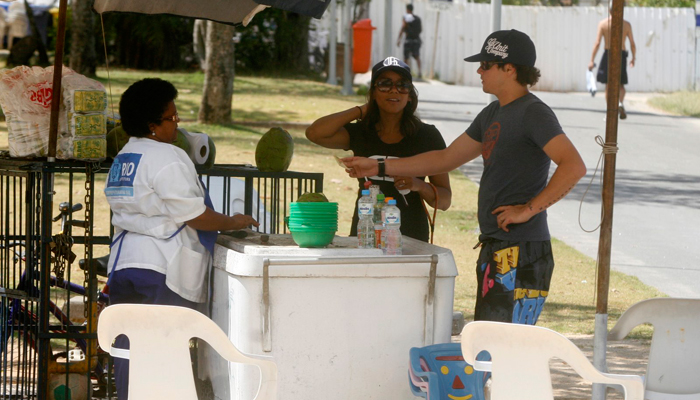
(515, 166)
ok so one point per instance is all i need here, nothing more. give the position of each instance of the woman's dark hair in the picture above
(410, 123)
(525, 75)
(143, 103)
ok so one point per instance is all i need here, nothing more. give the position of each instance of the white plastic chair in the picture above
(520, 357)
(673, 371)
(159, 357)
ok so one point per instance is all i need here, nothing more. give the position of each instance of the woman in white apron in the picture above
(164, 226)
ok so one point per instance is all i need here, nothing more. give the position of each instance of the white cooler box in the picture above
(338, 321)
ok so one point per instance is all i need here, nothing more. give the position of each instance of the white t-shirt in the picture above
(152, 189)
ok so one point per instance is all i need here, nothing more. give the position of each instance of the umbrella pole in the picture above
(57, 73)
(605, 241)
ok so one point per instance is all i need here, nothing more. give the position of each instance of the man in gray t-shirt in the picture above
(517, 136)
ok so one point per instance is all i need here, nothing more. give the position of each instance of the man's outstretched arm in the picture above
(461, 151)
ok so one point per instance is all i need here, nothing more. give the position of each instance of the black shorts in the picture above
(602, 76)
(513, 280)
(411, 47)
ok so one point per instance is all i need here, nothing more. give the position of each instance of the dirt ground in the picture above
(624, 357)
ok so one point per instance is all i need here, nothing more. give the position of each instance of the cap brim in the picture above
(399, 70)
(481, 57)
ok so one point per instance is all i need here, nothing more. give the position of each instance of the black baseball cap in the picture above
(511, 46)
(391, 64)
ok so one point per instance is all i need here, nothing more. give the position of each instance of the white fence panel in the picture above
(564, 36)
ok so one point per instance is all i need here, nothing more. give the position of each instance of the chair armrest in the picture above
(482, 365)
(119, 353)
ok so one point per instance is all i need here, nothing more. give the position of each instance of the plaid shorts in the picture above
(513, 280)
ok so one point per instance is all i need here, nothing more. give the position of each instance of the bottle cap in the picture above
(380, 197)
(386, 199)
(392, 202)
(365, 192)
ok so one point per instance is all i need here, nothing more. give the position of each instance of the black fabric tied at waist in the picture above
(484, 239)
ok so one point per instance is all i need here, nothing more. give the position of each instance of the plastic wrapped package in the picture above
(83, 95)
(25, 97)
(26, 94)
(82, 135)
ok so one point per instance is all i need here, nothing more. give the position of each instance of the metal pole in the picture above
(605, 242)
(347, 56)
(332, 43)
(57, 72)
(388, 28)
(495, 26)
(435, 40)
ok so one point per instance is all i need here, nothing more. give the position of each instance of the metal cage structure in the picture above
(40, 333)
(237, 188)
(48, 306)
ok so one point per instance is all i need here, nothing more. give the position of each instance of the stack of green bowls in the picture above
(313, 224)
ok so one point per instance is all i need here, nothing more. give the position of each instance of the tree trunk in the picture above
(199, 38)
(218, 77)
(83, 58)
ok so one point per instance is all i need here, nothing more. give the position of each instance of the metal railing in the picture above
(36, 342)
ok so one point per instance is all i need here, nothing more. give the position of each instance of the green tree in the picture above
(151, 42)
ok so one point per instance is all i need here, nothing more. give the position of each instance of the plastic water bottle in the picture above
(378, 222)
(365, 226)
(391, 236)
(373, 192)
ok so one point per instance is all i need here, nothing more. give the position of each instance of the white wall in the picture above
(564, 37)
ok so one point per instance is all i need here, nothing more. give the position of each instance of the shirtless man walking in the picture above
(604, 32)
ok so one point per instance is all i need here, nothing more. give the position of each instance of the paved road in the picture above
(656, 222)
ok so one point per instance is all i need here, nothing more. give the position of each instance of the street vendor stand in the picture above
(338, 321)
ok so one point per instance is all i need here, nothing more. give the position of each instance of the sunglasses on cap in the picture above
(385, 85)
(486, 65)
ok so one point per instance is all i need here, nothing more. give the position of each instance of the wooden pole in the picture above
(605, 241)
(57, 72)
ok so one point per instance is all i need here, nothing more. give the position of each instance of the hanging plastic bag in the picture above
(25, 97)
(590, 82)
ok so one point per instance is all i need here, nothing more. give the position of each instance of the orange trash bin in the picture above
(362, 43)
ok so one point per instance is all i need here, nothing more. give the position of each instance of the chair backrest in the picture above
(674, 355)
(159, 356)
(439, 372)
(520, 357)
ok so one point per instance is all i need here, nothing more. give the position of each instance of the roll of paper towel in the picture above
(199, 146)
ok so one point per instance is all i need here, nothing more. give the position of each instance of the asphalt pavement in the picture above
(656, 217)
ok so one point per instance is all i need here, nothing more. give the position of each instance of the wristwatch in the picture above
(381, 168)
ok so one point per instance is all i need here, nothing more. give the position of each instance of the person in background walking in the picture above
(604, 33)
(518, 136)
(411, 26)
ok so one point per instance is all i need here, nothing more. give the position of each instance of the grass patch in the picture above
(681, 103)
(570, 308)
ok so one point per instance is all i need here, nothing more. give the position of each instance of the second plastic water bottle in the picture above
(378, 222)
(365, 225)
(391, 236)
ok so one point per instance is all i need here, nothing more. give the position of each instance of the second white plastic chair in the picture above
(159, 358)
(673, 371)
(520, 357)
